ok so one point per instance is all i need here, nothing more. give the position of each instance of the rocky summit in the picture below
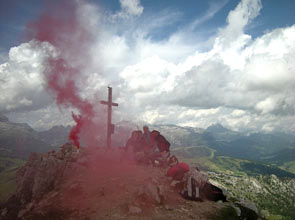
(100, 184)
(270, 194)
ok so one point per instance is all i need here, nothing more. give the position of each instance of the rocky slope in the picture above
(273, 196)
(100, 184)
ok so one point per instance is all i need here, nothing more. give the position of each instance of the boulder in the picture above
(134, 209)
(152, 192)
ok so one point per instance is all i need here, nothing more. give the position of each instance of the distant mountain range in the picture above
(255, 146)
(55, 136)
(268, 152)
(19, 139)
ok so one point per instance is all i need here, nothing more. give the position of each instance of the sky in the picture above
(189, 63)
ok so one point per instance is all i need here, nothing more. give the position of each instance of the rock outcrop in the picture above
(98, 184)
(267, 195)
(42, 174)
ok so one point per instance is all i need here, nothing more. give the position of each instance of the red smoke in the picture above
(59, 25)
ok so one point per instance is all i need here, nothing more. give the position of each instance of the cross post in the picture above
(110, 126)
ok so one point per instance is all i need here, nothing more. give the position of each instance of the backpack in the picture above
(196, 181)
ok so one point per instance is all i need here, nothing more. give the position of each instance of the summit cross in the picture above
(110, 126)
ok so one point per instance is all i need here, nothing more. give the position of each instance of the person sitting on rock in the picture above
(172, 160)
(132, 142)
(160, 149)
(176, 172)
(139, 142)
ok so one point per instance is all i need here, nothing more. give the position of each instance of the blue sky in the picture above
(14, 15)
(189, 62)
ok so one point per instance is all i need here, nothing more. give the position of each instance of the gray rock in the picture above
(134, 209)
(248, 204)
(167, 207)
(238, 210)
(153, 192)
(34, 157)
(21, 213)
(3, 212)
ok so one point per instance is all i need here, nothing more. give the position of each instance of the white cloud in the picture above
(132, 7)
(241, 82)
(129, 8)
(238, 73)
(238, 19)
(21, 79)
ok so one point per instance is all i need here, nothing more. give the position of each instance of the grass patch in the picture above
(8, 168)
(194, 152)
(289, 166)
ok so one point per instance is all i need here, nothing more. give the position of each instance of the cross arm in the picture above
(107, 103)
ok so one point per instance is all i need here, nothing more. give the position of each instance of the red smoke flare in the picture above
(76, 130)
(59, 25)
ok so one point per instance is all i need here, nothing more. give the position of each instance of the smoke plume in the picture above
(60, 26)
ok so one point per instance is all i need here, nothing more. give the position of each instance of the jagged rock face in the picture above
(42, 174)
(38, 177)
(86, 184)
(270, 194)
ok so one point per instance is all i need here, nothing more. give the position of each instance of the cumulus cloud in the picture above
(238, 74)
(132, 7)
(238, 19)
(21, 79)
(241, 82)
(262, 81)
(129, 8)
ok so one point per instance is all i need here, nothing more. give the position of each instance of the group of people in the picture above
(148, 146)
(152, 147)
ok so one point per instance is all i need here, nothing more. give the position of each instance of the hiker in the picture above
(135, 147)
(139, 142)
(172, 160)
(134, 143)
(146, 137)
(160, 142)
(160, 150)
(178, 170)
